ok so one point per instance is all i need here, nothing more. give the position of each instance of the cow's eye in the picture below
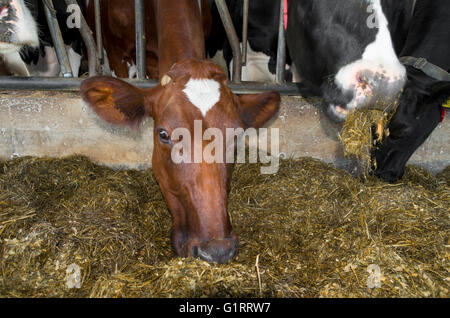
(164, 136)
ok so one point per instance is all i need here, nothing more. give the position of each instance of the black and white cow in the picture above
(349, 52)
(263, 21)
(17, 29)
(26, 45)
(43, 61)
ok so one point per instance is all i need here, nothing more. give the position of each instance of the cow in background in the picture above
(348, 53)
(263, 22)
(18, 28)
(26, 46)
(42, 61)
(119, 40)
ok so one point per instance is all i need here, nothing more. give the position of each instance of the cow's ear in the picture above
(256, 110)
(116, 101)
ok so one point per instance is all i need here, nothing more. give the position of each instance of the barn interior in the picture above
(81, 214)
(310, 230)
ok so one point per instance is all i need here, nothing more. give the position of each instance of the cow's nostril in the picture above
(216, 251)
(207, 255)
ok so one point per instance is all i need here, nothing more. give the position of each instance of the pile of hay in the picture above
(308, 231)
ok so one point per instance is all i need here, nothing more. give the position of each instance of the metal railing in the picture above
(97, 61)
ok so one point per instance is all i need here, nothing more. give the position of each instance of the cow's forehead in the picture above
(203, 93)
(198, 98)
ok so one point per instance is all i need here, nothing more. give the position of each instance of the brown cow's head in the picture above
(196, 193)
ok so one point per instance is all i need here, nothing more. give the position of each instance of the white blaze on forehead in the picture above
(203, 93)
(379, 56)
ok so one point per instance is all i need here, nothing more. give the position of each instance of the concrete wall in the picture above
(58, 124)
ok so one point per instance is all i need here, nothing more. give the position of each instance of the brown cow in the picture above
(166, 21)
(193, 89)
(196, 193)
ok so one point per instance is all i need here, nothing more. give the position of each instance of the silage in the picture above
(310, 230)
(364, 130)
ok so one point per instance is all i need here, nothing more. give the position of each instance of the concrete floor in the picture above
(58, 124)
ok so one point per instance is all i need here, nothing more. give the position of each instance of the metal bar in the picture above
(281, 53)
(257, 87)
(58, 42)
(91, 47)
(73, 84)
(140, 40)
(98, 30)
(200, 7)
(39, 83)
(245, 32)
(232, 38)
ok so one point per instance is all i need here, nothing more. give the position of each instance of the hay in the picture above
(360, 127)
(356, 135)
(309, 231)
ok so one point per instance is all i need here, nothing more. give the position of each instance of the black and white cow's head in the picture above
(345, 48)
(17, 27)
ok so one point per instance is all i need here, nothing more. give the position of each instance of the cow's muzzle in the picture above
(216, 251)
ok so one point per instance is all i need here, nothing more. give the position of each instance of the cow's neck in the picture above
(180, 32)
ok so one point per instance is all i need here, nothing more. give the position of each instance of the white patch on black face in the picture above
(203, 93)
(26, 29)
(379, 59)
(23, 28)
